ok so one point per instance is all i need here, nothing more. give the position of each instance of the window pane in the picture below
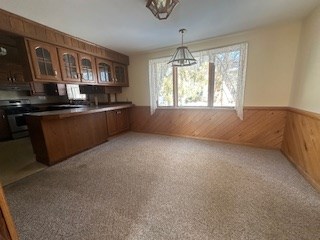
(226, 77)
(165, 81)
(193, 84)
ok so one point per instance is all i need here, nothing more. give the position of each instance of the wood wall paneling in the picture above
(16, 25)
(5, 22)
(301, 143)
(261, 127)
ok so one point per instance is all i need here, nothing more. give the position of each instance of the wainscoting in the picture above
(301, 143)
(261, 127)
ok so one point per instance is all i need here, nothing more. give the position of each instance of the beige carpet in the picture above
(140, 186)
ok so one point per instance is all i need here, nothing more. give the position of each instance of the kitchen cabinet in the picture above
(11, 73)
(5, 132)
(44, 61)
(88, 71)
(105, 71)
(11, 66)
(7, 228)
(55, 139)
(120, 74)
(77, 67)
(55, 136)
(118, 121)
(69, 65)
(48, 89)
(112, 74)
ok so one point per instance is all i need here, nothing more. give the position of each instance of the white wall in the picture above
(306, 86)
(271, 62)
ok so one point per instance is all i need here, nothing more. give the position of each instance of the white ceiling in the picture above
(129, 27)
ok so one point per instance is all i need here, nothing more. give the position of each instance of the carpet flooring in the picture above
(143, 186)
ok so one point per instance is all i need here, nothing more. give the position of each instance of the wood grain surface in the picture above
(261, 127)
(301, 143)
(7, 228)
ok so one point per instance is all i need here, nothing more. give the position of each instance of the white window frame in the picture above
(155, 73)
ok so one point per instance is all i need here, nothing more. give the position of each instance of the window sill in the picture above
(196, 108)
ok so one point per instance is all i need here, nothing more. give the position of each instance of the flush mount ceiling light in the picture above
(182, 56)
(161, 9)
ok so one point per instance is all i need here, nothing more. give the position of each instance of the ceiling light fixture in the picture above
(161, 9)
(182, 56)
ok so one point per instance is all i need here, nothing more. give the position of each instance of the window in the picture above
(73, 92)
(217, 80)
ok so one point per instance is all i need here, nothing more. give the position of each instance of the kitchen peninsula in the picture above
(57, 135)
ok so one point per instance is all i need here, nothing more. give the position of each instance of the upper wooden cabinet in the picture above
(112, 74)
(44, 61)
(69, 65)
(32, 60)
(105, 71)
(11, 73)
(120, 74)
(88, 71)
(11, 63)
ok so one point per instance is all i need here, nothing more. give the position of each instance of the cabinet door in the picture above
(69, 65)
(123, 120)
(112, 123)
(105, 73)
(11, 73)
(121, 74)
(45, 63)
(87, 68)
(16, 74)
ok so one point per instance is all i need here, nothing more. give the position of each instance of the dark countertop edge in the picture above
(61, 114)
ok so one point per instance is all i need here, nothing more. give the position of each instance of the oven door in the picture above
(17, 122)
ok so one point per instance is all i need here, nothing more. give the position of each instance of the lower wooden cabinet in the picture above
(54, 140)
(118, 121)
(55, 137)
(7, 227)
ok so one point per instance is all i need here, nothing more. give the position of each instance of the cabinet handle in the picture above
(9, 79)
(118, 112)
(3, 116)
(55, 73)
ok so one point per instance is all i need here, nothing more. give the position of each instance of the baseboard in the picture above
(313, 183)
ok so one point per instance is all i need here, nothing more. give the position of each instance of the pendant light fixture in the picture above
(182, 56)
(161, 9)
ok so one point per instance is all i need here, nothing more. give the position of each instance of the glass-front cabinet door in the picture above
(69, 65)
(44, 60)
(105, 74)
(87, 68)
(121, 75)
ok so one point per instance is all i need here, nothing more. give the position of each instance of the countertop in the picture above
(72, 112)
